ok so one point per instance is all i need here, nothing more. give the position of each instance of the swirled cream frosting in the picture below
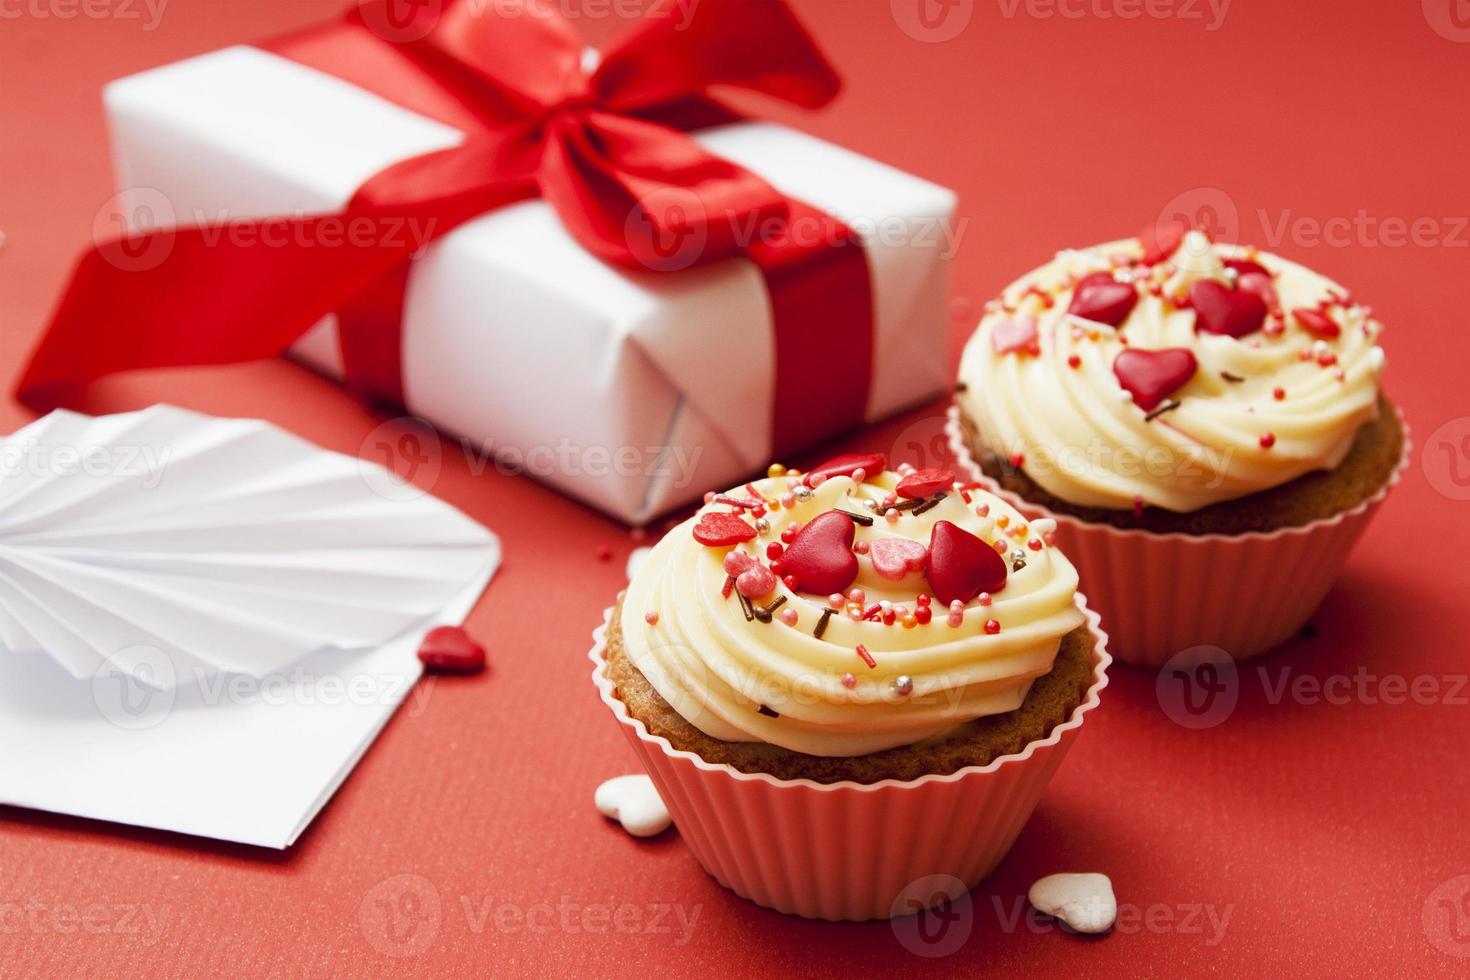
(880, 663)
(1119, 376)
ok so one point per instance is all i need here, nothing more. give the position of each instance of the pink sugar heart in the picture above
(1015, 334)
(756, 582)
(893, 558)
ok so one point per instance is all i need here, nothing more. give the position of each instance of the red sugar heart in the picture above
(893, 558)
(924, 483)
(450, 650)
(1218, 309)
(1153, 375)
(1103, 299)
(720, 530)
(820, 557)
(1015, 333)
(846, 465)
(961, 566)
(1317, 322)
(1161, 240)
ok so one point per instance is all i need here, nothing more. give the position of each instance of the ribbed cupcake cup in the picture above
(1163, 594)
(850, 851)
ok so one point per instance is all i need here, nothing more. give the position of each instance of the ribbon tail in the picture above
(196, 296)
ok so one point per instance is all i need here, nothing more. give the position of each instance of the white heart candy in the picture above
(633, 802)
(1083, 901)
(635, 558)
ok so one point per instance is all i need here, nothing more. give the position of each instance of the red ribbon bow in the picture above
(605, 149)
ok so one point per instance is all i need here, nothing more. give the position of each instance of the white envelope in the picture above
(515, 336)
(205, 622)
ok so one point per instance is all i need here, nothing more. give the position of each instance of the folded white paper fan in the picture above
(224, 544)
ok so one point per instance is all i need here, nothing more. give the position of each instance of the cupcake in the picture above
(851, 685)
(1203, 421)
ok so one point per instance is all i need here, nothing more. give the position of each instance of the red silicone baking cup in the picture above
(850, 851)
(1162, 594)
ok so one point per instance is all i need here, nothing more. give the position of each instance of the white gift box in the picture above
(614, 387)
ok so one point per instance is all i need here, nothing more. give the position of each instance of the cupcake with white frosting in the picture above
(1202, 417)
(815, 656)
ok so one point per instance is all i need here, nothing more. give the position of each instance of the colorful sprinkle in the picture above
(651, 617)
(867, 657)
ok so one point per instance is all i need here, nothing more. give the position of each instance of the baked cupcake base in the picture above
(1204, 596)
(846, 850)
(1052, 699)
(1370, 464)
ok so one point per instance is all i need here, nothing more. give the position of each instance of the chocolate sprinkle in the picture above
(930, 503)
(768, 712)
(863, 519)
(1166, 407)
(822, 624)
(1234, 379)
(745, 606)
(961, 386)
(909, 504)
(764, 613)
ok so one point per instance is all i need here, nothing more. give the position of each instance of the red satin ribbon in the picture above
(604, 149)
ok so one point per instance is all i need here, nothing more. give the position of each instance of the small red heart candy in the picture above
(846, 465)
(1218, 309)
(1153, 375)
(450, 650)
(720, 530)
(820, 559)
(893, 558)
(1161, 240)
(1317, 322)
(1015, 333)
(924, 483)
(961, 566)
(1103, 299)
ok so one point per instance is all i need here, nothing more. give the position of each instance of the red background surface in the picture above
(1322, 829)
